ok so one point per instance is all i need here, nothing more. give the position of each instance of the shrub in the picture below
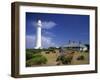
(47, 52)
(64, 60)
(31, 52)
(28, 55)
(60, 58)
(81, 57)
(37, 59)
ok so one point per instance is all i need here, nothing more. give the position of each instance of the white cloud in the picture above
(46, 41)
(48, 33)
(30, 41)
(46, 24)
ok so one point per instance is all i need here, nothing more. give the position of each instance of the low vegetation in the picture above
(64, 60)
(52, 56)
(34, 57)
(81, 57)
(37, 59)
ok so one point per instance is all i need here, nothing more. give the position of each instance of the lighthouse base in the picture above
(38, 47)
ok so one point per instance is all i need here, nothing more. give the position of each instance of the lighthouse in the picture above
(38, 35)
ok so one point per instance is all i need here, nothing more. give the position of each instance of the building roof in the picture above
(74, 45)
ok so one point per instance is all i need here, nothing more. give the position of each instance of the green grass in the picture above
(37, 59)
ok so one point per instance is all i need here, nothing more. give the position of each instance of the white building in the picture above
(76, 46)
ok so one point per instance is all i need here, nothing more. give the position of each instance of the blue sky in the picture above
(57, 29)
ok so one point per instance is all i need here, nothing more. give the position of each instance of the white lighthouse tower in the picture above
(38, 35)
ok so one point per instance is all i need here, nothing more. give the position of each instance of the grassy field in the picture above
(85, 61)
(77, 58)
(53, 56)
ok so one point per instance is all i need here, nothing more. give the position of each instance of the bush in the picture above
(47, 52)
(81, 57)
(37, 59)
(31, 52)
(64, 60)
(28, 55)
